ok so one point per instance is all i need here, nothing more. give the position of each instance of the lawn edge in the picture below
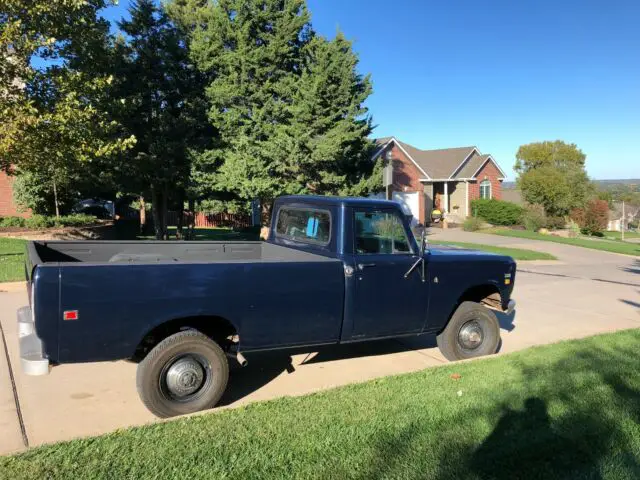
(561, 243)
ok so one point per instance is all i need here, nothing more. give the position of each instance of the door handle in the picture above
(362, 266)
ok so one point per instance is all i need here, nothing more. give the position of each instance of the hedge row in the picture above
(41, 221)
(497, 212)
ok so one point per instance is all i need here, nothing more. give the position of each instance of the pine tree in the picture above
(287, 103)
(330, 149)
(160, 97)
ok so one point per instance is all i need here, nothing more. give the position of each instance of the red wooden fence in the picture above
(204, 219)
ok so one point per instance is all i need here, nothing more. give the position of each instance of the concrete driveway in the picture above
(555, 302)
(572, 261)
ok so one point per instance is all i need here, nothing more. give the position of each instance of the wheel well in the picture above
(218, 329)
(488, 295)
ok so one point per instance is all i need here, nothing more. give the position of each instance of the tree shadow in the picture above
(264, 367)
(548, 427)
(634, 268)
(506, 321)
(630, 302)
(527, 437)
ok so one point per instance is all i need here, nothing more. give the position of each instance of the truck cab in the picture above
(384, 296)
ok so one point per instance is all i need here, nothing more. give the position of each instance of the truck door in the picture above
(385, 303)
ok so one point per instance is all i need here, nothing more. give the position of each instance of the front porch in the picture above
(450, 197)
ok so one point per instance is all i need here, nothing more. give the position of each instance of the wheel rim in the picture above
(471, 335)
(184, 378)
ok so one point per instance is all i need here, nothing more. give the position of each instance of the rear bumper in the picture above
(32, 357)
(511, 306)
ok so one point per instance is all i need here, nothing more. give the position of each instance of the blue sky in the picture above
(498, 74)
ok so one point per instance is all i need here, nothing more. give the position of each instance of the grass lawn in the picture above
(11, 259)
(605, 245)
(570, 410)
(618, 236)
(516, 253)
(215, 234)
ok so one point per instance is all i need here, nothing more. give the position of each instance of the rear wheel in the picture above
(472, 331)
(185, 373)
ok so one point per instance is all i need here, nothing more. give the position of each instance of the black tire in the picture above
(185, 346)
(470, 317)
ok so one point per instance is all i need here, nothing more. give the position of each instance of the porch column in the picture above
(446, 197)
(466, 198)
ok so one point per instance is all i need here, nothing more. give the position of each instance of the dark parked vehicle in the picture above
(334, 270)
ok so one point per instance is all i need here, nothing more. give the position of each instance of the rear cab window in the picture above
(304, 224)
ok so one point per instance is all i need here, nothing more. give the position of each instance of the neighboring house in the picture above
(631, 212)
(447, 179)
(7, 205)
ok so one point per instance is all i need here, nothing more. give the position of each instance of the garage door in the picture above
(410, 203)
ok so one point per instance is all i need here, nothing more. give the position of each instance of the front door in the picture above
(386, 303)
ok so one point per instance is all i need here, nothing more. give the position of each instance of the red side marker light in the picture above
(70, 315)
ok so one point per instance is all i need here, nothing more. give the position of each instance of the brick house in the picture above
(447, 179)
(8, 207)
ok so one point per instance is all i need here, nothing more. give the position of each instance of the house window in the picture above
(485, 189)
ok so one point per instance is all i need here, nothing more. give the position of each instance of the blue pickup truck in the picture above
(333, 270)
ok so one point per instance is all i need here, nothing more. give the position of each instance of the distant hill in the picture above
(604, 184)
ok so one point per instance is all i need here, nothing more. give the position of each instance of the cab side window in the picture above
(380, 232)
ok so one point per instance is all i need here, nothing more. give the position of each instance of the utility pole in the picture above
(622, 234)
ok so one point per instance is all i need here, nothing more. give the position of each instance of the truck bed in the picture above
(95, 252)
(273, 295)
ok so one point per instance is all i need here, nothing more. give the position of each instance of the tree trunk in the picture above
(143, 215)
(55, 199)
(156, 210)
(191, 229)
(179, 233)
(165, 212)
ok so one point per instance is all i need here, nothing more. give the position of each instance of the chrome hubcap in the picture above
(471, 335)
(185, 376)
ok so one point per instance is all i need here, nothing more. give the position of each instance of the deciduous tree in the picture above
(552, 174)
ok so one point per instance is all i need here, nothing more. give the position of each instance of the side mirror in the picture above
(420, 233)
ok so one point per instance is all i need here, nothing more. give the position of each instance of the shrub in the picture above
(556, 223)
(533, 218)
(596, 217)
(497, 212)
(75, 220)
(38, 221)
(472, 224)
(12, 222)
(577, 216)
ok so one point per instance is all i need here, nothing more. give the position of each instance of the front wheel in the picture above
(185, 373)
(473, 331)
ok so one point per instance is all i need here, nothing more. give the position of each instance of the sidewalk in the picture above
(11, 436)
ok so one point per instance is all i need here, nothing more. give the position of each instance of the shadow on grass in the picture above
(576, 417)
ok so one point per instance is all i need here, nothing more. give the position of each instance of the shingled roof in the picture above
(445, 163)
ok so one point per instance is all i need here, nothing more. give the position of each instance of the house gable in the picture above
(488, 171)
(392, 142)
